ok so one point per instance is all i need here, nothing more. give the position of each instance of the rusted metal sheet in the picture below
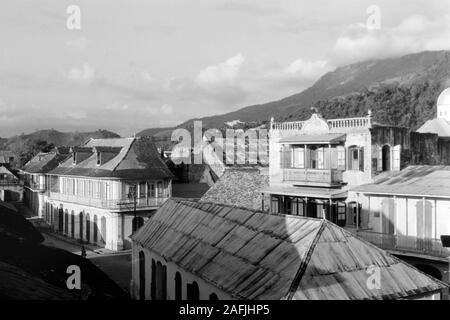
(254, 255)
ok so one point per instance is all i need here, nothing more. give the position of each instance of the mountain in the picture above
(394, 83)
(25, 146)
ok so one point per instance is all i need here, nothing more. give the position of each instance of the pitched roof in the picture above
(45, 162)
(412, 181)
(240, 187)
(438, 126)
(126, 158)
(254, 255)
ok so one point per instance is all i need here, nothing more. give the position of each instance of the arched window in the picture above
(103, 229)
(95, 229)
(161, 281)
(88, 228)
(192, 291)
(72, 225)
(213, 297)
(61, 220)
(153, 281)
(386, 158)
(178, 286)
(66, 222)
(81, 225)
(141, 275)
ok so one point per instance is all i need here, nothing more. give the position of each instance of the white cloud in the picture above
(414, 34)
(83, 75)
(78, 43)
(224, 73)
(166, 109)
(308, 69)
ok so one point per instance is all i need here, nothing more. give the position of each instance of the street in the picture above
(117, 265)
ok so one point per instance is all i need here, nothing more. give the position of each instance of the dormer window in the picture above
(99, 158)
(74, 158)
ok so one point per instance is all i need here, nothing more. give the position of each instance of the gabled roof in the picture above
(240, 187)
(45, 162)
(430, 181)
(254, 255)
(124, 158)
(438, 126)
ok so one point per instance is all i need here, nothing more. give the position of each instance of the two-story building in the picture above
(314, 163)
(34, 178)
(105, 189)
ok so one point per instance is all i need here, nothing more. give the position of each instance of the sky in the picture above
(137, 64)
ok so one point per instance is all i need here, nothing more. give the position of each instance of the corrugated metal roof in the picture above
(429, 181)
(255, 255)
(331, 138)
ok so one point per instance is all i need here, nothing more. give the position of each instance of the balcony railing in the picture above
(111, 204)
(407, 244)
(9, 182)
(322, 176)
(362, 122)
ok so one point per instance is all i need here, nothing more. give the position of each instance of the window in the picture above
(99, 158)
(297, 207)
(160, 189)
(275, 205)
(151, 190)
(213, 297)
(341, 214)
(298, 158)
(341, 158)
(356, 158)
(178, 286)
(142, 189)
(193, 292)
(74, 158)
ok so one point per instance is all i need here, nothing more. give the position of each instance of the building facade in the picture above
(104, 190)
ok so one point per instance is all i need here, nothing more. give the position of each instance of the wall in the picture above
(115, 228)
(205, 288)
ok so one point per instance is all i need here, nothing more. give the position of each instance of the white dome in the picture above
(444, 98)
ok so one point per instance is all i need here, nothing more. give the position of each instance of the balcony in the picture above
(406, 244)
(319, 177)
(120, 205)
(9, 182)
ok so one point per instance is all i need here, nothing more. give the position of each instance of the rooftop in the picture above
(45, 162)
(239, 187)
(254, 255)
(423, 181)
(439, 126)
(130, 158)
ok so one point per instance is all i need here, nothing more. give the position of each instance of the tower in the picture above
(443, 105)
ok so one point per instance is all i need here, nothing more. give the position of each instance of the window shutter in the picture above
(288, 157)
(396, 158)
(361, 159)
(380, 159)
(349, 159)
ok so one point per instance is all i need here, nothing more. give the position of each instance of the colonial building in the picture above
(10, 187)
(314, 163)
(407, 213)
(348, 171)
(34, 177)
(204, 251)
(99, 192)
